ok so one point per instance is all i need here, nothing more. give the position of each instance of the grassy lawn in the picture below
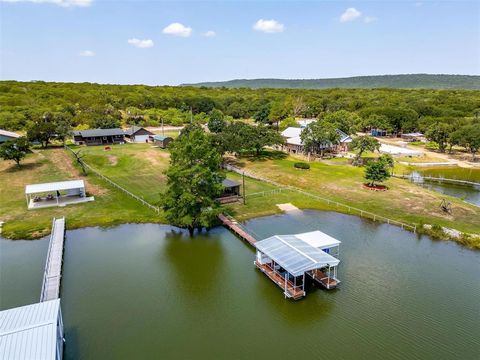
(109, 208)
(403, 201)
(140, 169)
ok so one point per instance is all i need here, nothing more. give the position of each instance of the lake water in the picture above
(467, 193)
(150, 291)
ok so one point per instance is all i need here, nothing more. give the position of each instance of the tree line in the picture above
(88, 105)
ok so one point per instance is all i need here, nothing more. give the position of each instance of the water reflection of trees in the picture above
(196, 262)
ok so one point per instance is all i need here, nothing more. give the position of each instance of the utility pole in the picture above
(163, 131)
(244, 195)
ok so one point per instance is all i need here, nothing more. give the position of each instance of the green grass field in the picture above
(404, 202)
(140, 169)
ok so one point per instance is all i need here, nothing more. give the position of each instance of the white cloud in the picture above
(63, 3)
(144, 44)
(177, 29)
(350, 14)
(209, 33)
(369, 19)
(87, 53)
(268, 26)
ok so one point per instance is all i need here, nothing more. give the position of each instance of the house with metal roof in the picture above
(294, 143)
(7, 135)
(137, 134)
(288, 259)
(99, 137)
(32, 332)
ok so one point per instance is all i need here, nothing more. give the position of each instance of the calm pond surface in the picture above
(150, 291)
(467, 193)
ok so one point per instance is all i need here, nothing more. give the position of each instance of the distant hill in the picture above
(405, 81)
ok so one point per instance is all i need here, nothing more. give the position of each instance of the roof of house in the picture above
(54, 186)
(99, 132)
(227, 183)
(29, 332)
(294, 254)
(134, 129)
(296, 140)
(9, 134)
(161, 137)
(290, 132)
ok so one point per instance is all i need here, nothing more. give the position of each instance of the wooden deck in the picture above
(53, 267)
(233, 225)
(290, 291)
(322, 279)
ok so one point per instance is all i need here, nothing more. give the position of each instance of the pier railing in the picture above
(350, 209)
(114, 184)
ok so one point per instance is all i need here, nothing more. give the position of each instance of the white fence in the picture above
(114, 184)
(350, 209)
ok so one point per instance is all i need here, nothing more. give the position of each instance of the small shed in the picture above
(231, 192)
(60, 193)
(32, 332)
(138, 134)
(161, 141)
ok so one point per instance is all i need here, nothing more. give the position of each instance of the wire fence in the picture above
(350, 209)
(411, 177)
(114, 184)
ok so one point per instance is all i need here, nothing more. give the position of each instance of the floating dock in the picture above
(53, 267)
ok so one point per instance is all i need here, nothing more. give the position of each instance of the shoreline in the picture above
(435, 233)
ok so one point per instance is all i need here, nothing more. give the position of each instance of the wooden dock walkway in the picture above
(53, 267)
(235, 227)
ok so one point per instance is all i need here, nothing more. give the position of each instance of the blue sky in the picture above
(160, 42)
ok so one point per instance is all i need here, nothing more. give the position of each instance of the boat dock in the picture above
(53, 267)
(237, 229)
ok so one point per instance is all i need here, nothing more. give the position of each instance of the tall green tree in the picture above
(261, 136)
(376, 172)
(194, 181)
(440, 133)
(469, 137)
(15, 149)
(216, 121)
(362, 144)
(42, 129)
(318, 135)
(346, 121)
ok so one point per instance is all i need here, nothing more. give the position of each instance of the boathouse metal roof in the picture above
(29, 332)
(54, 186)
(295, 255)
(319, 239)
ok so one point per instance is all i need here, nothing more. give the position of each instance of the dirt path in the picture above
(64, 162)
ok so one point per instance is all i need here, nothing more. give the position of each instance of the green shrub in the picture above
(431, 146)
(302, 165)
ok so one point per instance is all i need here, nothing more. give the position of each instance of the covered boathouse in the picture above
(32, 332)
(288, 259)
